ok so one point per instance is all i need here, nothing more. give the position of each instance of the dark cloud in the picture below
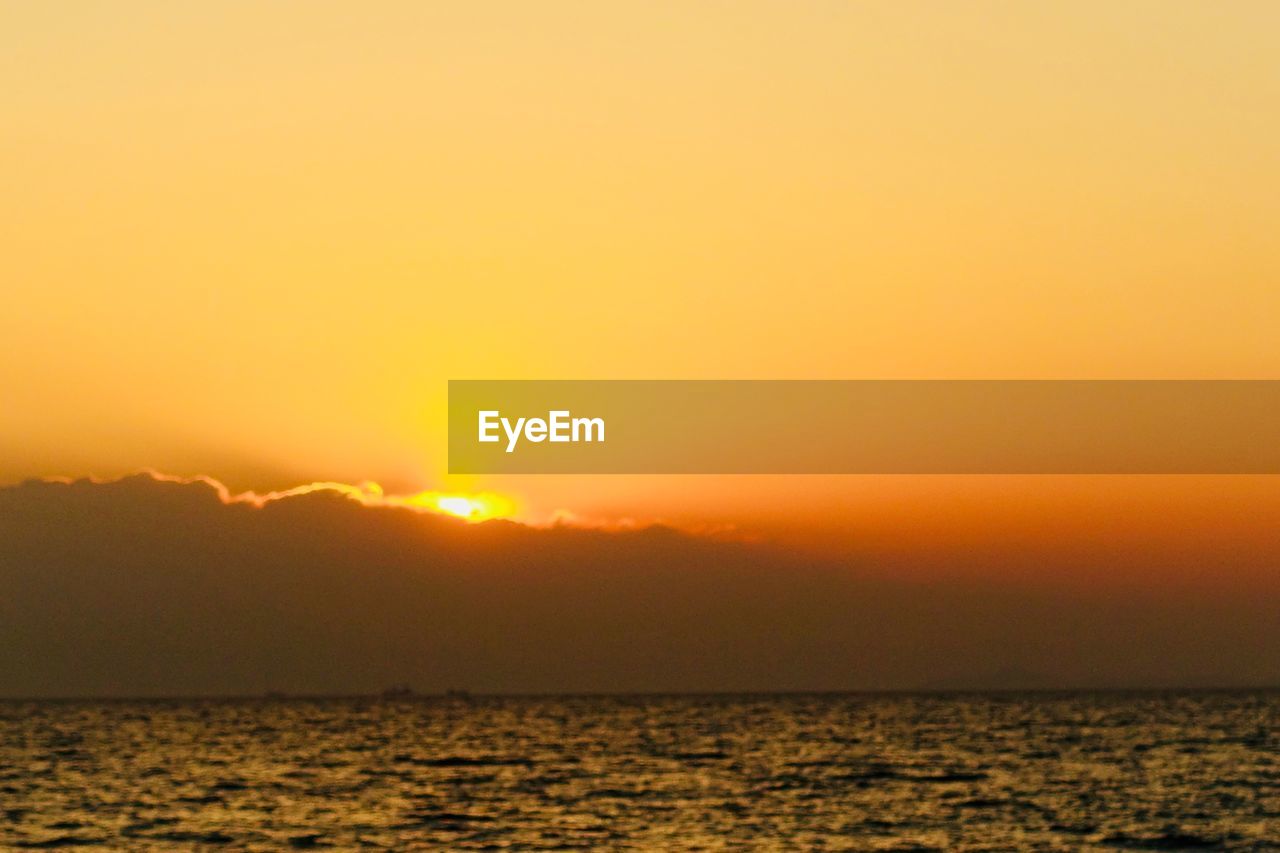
(146, 587)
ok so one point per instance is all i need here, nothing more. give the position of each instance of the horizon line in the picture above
(454, 694)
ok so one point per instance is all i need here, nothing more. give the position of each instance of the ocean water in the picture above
(844, 772)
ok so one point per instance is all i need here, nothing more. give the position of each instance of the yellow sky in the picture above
(253, 240)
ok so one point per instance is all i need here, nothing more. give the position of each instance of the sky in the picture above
(253, 241)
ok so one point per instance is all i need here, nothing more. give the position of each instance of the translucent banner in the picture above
(864, 427)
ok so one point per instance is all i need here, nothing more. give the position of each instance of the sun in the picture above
(469, 507)
(459, 505)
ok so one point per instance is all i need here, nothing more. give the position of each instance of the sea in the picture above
(1000, 771)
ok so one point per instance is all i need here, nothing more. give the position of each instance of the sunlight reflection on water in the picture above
(1063, 771)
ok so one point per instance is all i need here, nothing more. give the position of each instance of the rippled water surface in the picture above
(1150, 771)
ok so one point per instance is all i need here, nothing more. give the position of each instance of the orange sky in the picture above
(254, 241)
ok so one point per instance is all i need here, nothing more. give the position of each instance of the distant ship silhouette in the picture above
(404, 691)
(398, 691)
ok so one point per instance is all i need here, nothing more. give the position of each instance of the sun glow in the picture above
(459, 506)
(472, 509)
